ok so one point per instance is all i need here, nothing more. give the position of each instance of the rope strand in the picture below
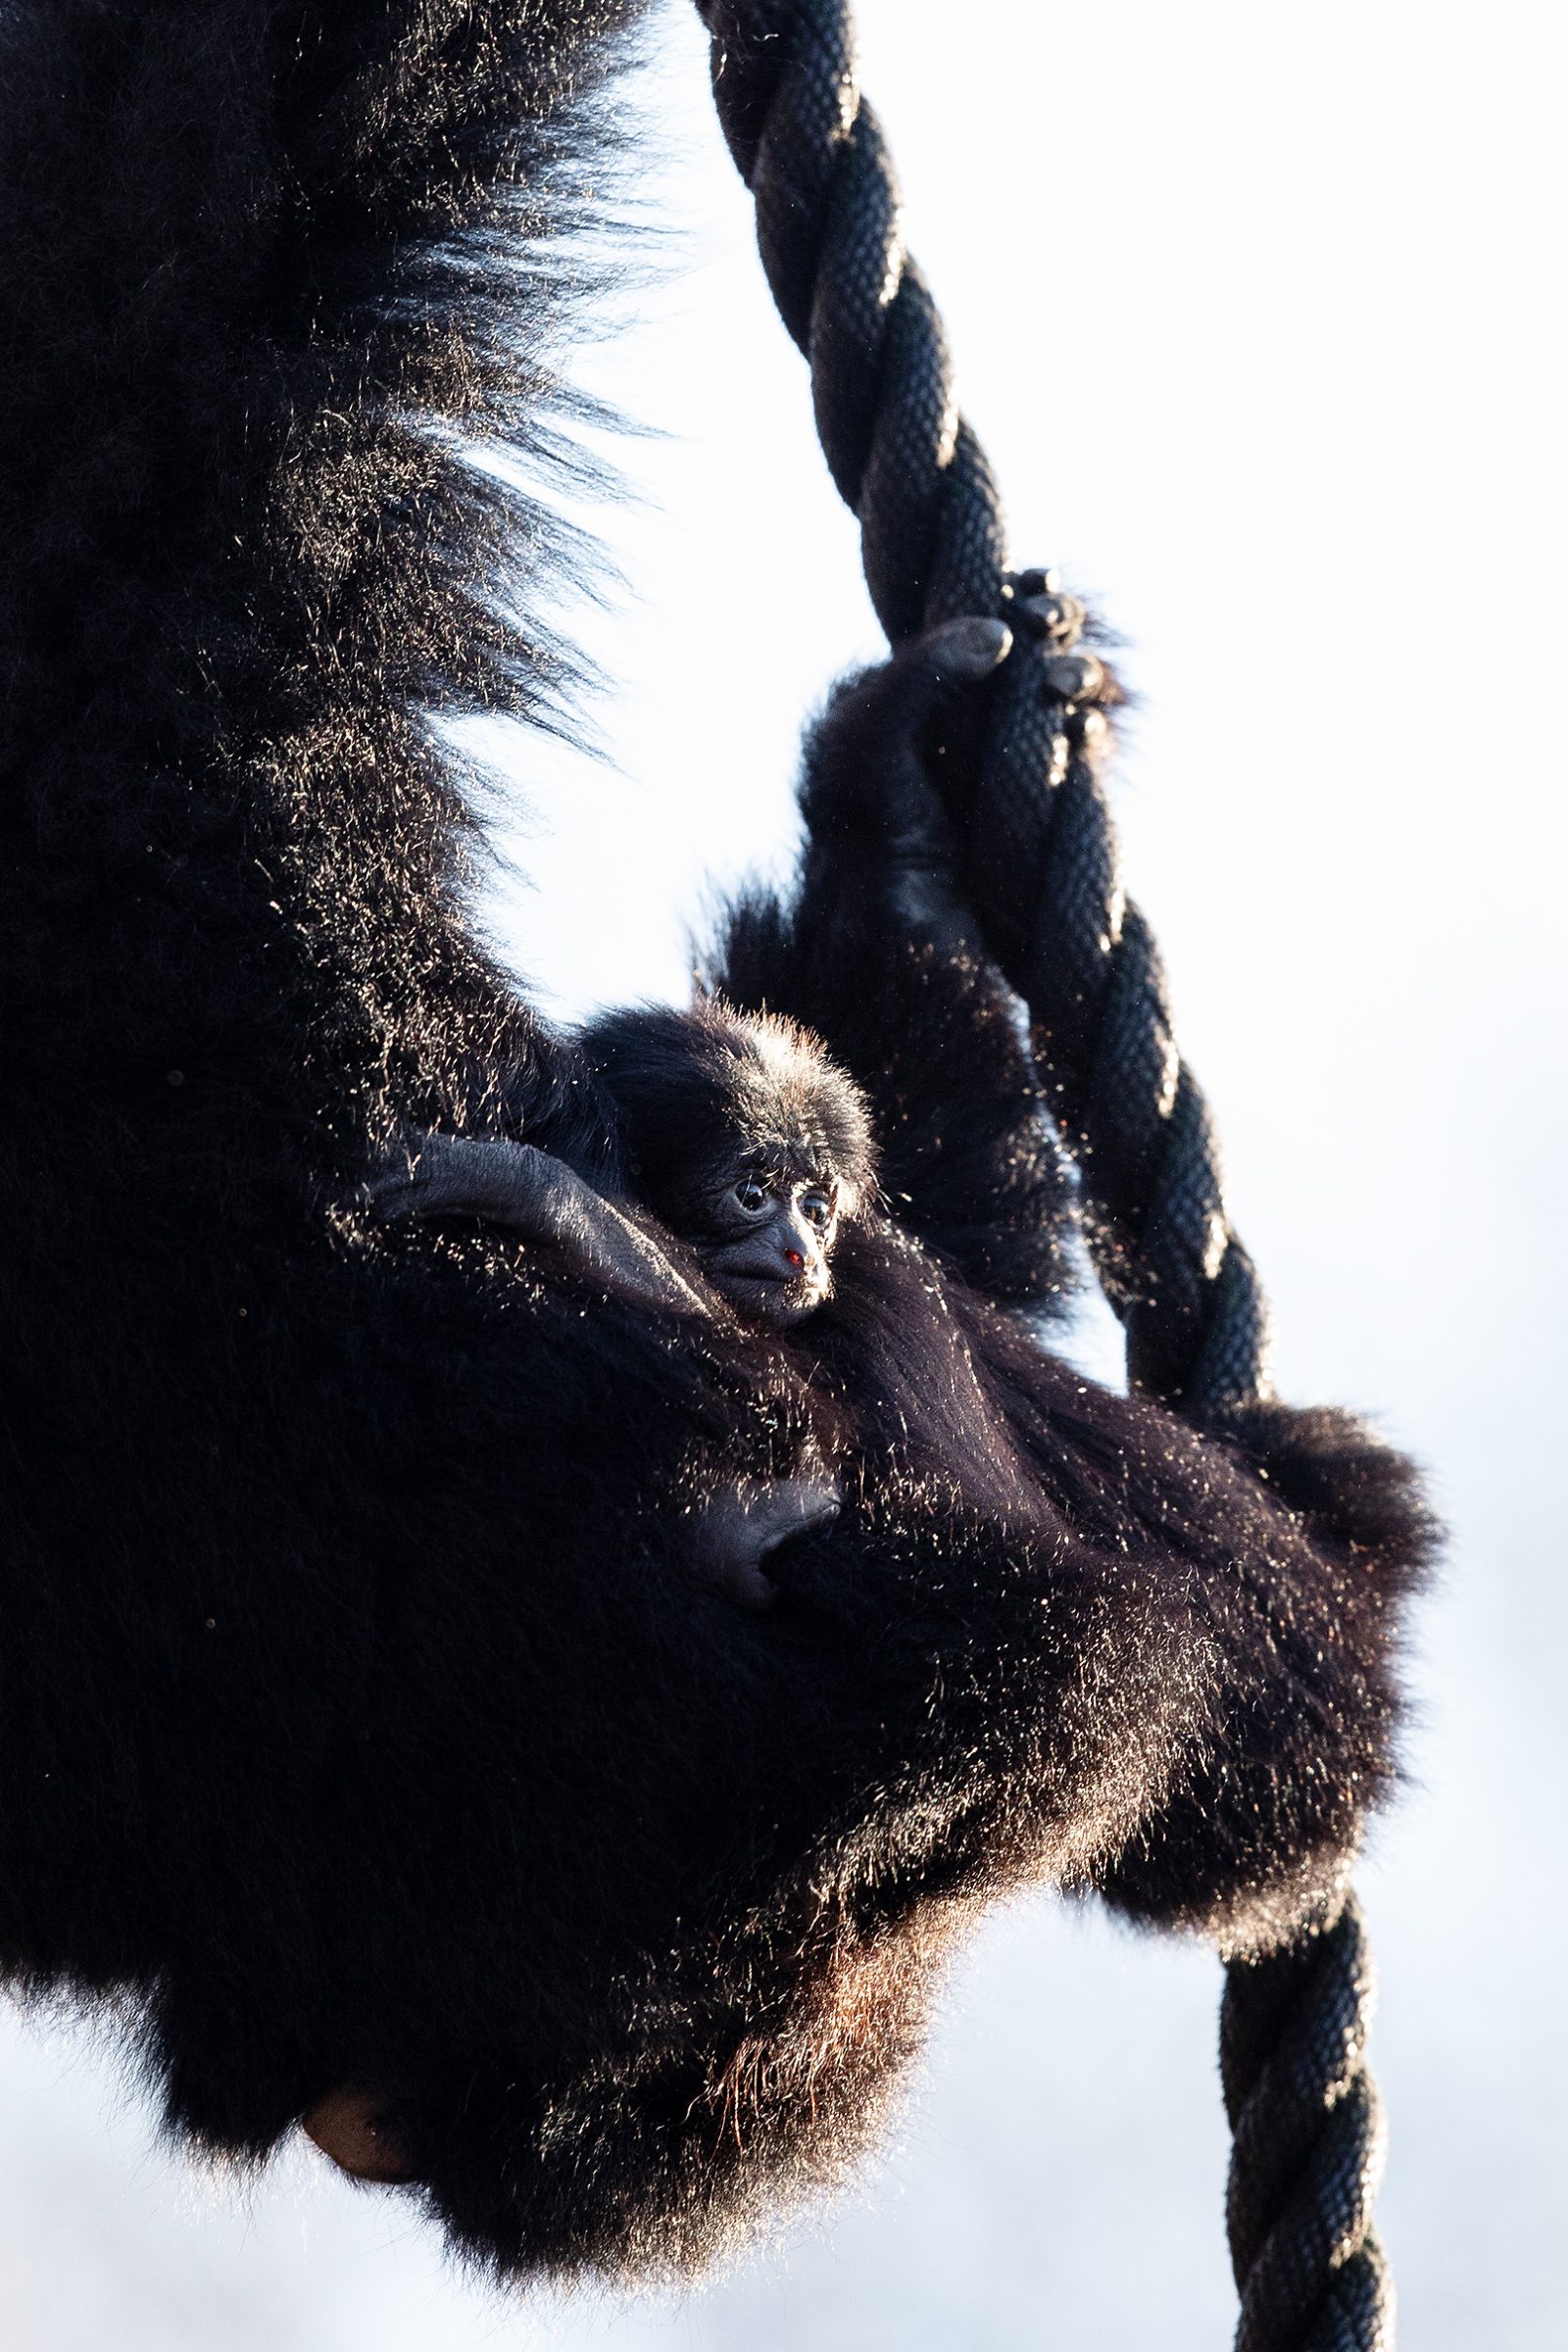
(1043, 865)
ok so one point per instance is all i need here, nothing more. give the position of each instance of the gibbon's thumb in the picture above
(960, 652)
(966, 649)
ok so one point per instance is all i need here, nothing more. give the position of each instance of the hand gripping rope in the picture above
(1044, 864)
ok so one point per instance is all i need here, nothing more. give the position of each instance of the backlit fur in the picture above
(362, 1722)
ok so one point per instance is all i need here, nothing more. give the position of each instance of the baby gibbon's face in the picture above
(769, 1230)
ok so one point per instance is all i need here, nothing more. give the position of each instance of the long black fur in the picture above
(361, 1722)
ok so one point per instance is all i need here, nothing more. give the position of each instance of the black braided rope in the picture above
(1309, 2146)
(1044, 866)
(1038, 827)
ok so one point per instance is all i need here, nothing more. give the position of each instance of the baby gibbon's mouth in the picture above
(777, 1296)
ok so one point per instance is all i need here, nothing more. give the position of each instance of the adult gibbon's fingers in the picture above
(487, 1176)
(626, 1259)
(458, 1175)
(524, 1188)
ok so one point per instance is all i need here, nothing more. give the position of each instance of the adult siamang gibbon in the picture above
(391, 1731)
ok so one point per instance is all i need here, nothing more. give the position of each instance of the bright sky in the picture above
(1260, 313)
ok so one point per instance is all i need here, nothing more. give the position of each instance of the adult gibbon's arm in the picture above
(876, 950)
(255, 291)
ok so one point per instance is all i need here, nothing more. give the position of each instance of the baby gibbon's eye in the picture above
(818, 1210)
(752, 1194)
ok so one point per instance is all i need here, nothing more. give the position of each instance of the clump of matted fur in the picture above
(363, 1721)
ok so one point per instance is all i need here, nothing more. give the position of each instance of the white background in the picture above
(1258, 311)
